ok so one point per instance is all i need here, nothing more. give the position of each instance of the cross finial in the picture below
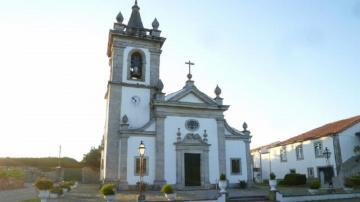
(189, 76)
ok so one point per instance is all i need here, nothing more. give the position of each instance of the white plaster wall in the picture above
(133, 144)
(147, 66)
(348, 140)
(282, 168)
(191, 98)
(235, 149)
(138, 114)
(172, 123)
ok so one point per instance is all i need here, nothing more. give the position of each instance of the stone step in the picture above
(249, 198)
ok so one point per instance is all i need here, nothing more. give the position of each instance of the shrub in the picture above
(167, 189)
(242, 184)
(222, 177)
(294, 179)
(272, 176)
(349, 183)
(315, 184)
(355, 180)
(107, 189)
(56, 190)
(43, 184)
(65, 185)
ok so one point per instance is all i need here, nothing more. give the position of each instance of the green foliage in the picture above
(294, 179)
(272, 196)
(65, 185)
(349, 183)
(357, 149)
(92, 158)
(355, 180)
(167, 189)
(315, 184)
(13, 173)
(242, 184)
(272, 176)
(42, 163)
(43, 184)
(107, 189)
(222, 177)
(56, 190)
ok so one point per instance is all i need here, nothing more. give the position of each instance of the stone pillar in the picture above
(154, 66)
(123, 155)
(117, 62)
(248, 163)
(205, 170)
(221, 145)
(159, 151)
(337, 153)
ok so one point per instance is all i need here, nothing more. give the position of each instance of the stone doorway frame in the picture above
(192, 143)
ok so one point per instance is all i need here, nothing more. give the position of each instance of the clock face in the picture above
(135, 100)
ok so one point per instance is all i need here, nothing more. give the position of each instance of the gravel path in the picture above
(16, 195)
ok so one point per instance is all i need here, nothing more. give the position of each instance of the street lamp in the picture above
(141, 151)
(327, 154)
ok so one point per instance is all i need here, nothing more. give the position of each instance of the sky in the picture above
(284, 67)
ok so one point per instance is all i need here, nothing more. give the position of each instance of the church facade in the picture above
(188, 142)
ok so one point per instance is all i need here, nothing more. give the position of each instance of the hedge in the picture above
(294, 179)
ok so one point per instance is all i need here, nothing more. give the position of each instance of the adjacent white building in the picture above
(188, 142)
(306, 154)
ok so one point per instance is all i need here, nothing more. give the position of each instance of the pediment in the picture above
(192, 95)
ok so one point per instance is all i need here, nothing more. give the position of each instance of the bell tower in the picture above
(134, 59)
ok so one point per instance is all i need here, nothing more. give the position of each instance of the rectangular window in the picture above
(138, 166)
(318, 148)
(292, 171)
(283, 157)
(299, 152)
(310, 172)
(236, 166)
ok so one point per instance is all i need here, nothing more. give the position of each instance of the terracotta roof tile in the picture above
(325, 130)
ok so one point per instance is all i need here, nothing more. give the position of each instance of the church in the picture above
(187, 139)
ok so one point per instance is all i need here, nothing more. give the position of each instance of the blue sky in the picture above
(285, 67)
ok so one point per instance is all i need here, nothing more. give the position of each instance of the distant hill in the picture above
(47, 162)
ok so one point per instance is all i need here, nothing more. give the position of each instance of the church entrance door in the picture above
(192, 169)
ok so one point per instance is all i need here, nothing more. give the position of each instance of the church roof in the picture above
(135, 18)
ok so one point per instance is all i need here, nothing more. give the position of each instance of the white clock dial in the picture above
(135, 99)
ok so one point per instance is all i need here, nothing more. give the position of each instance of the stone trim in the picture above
(248, 164)
(191, 105)
(195, 148)
(137, 85)
(159, 151)
(221, 145)
(337, 153)
(123, 155)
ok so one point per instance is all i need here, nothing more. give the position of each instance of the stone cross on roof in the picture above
(189, 63)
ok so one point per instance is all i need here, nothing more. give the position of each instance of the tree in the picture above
(92, 158)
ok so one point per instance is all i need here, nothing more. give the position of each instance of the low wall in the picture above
(281, 198)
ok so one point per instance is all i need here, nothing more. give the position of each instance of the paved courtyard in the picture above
(28, 192)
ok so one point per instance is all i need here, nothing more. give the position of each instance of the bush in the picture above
(167, 189)
(349, 183)
(242, 184)
(56, 190)
(272, 176)
(43, 184)
(222, 177)
(355, 180)
(315, 185)
(11, 173)
(107, 189)
(294, 179)
(65, 185)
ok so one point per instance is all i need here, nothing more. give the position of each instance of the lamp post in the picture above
(141, 151)
(327, 154)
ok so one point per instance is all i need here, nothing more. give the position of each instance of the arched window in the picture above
(136, 66)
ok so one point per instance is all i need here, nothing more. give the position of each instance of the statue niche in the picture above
(136, 66)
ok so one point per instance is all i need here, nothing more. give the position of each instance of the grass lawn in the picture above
(32, 200)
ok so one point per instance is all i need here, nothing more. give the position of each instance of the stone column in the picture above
(248, 163)
(159, 151)
(221, 145)
(123, 155)
(205, 170)
(117, 62)
(337, 153)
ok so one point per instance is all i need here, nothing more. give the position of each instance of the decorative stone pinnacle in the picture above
(119, 18)
(217, 91)
(155, 24)
(245, 126)
(125, 119)
(205, 136)
(160, 85)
